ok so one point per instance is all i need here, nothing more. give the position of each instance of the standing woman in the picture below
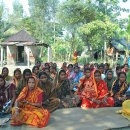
(28, 106)
(16, 78)
(119, 88)
(7, 94)
(5, 73)
(64, 91)
(26, 74)
(109, 79)
(50, 100)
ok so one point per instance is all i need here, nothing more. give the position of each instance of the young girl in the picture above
(64, 91)
(16, 78)
(50, 100)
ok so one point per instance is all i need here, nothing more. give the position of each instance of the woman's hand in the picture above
(104, 101)
(16, 114)
(24, 101)
(74, 102)
(97, 101)
(65, 105)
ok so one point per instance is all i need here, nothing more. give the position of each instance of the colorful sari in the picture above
(6, 94)
(50, 96)
(29, 114)
(74, 78)
(118, 91)
(92, 90)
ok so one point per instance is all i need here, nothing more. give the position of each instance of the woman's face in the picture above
(17, 75)
(5, 72)
(62, 76)
(51, 69)
(97, 77)
(1, 82)
(47, 72)
(126, 67)
(31, 83)
(101, 69)
(27, 75)
(70, 68)
(118, 71)
(122, 78)
(87, 73)
(76, 70)
(109, 75)
(43, 78)
(36, 71)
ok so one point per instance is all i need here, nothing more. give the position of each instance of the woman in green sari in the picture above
(64, 91)
(109, 79)
(5, 74)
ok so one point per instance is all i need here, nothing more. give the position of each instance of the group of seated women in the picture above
(33, 95)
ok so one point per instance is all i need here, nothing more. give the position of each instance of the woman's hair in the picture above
(118, 68)
(106, 64)
(101, 65)
(5, 68)
(87, 69)
(97, 71)
(25, 71)
(122, 73)
(1, 76)
(31, 77)
(70, 65)
(125, 65)
(42, 73)
(34, 68)
(62, 71)
(108, 70)
(46, 69)
(17, 70)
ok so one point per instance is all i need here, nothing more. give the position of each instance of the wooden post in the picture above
(116, 55)
(28, 56)
(1, 56)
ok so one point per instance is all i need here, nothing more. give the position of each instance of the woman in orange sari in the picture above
(94, 91)
(28, 106)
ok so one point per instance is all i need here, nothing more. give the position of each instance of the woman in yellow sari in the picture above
(28, 106)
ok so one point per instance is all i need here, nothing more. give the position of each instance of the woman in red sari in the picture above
(28, 106)
(94, 91)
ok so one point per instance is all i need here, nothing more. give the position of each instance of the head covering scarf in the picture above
(33, 93)
(109, 82)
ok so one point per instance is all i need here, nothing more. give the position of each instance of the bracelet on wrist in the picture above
(16, 107)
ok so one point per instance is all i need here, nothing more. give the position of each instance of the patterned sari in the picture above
(50, 96)
(118, 91)
(92, 90)
(29, 114)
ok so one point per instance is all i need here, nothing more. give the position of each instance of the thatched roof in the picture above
(21, 36)
(120, 44)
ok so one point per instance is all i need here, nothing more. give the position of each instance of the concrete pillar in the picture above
(2, 56)
(49, 54)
